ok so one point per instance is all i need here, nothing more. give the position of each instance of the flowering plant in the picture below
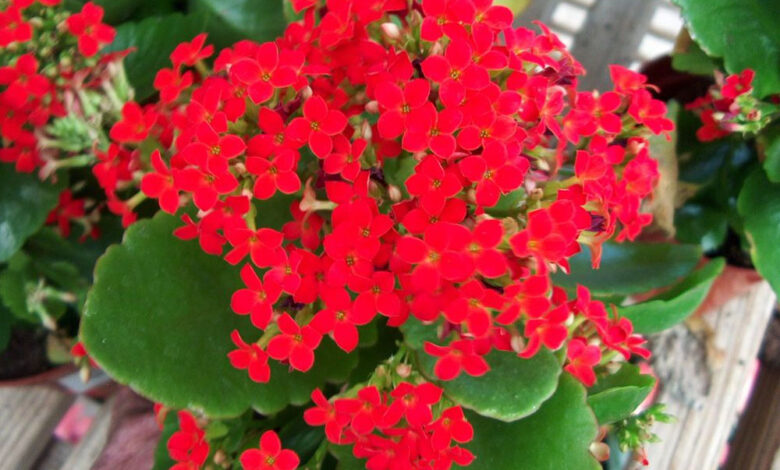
(370, 239)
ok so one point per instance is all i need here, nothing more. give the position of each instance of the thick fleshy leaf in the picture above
(555, 437)
(114, 11)
(759, 205)
(694, 60)
(631, 268)
(616, 396)
(25, 201)
(745, 34)
(229, 21)
(164, 328)
(674, 305)
(513, 388)
(701, 224)
(770, 139)
(153, 39)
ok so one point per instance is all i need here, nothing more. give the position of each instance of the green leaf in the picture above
(25, 201)
(694, 61)
(229, 21)
(6, 319)
(631, 268)
(700, 224)
(163, 461)
(759, 205)
(616, 396)
(556, 437)
(398, 170)
(158, 318)
(770, 140)
(507, 203)
(746, 34)
(517, 6)
(512, 389)
(153, 39)
(676, 304)
(115, 11)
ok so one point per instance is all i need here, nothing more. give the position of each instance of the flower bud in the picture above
(306, 93)
(600, 451)
(372, 107)
(391, 31)
(403, 370)
(394, 193)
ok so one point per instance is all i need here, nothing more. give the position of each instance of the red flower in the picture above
(171, 82)
(305, 226)
(548, 330)
(13, 28)
(294, 343)
(264, 246)
(451, 426)
(376, 294)
(189, 53)
(275, 173)
(486, 127)
(493, 173)
(324, 413)
(211, 151)
(456, 357)
(257, 299)
(265, 74)
(650, 112)
(442, 17)
(456, 72)
(398, 104)
(340, 318)
(432, 184)
(250, 357)
(67, 209)
(439, 255)
(188, 445)
(412, 402)
(345, 159)
(160, 185)
(582, 357)
(87, 26)
(318, 126)
(429, 128)
(270, 456)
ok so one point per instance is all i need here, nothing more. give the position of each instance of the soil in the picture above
(25, 355)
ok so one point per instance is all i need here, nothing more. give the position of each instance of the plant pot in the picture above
(733, 281)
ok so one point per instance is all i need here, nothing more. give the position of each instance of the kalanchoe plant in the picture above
(58, 98)
(376, 237)
(729, 138)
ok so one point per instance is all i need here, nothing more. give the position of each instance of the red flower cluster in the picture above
(396, 429)
(270, 455)
(188, 446)
(30, 101)
(727, 107)
(481, 110)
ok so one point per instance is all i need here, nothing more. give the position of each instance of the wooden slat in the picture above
(89, 447)
(706, 419)
(28, 415)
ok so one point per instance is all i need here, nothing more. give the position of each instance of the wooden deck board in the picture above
(28, 415)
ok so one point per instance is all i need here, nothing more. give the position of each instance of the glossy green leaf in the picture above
(770, 140)
(694, 61)
(556, 437)
(676, 304)
(701, 224)
(617, 395)
(158, 318)
(759, 205)
(162, 460)
(6, 319)
(631, 268)
(114, 11)
(25, 201)
(153, 39)
(513, 388)
(229, 21)
(746, 34)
